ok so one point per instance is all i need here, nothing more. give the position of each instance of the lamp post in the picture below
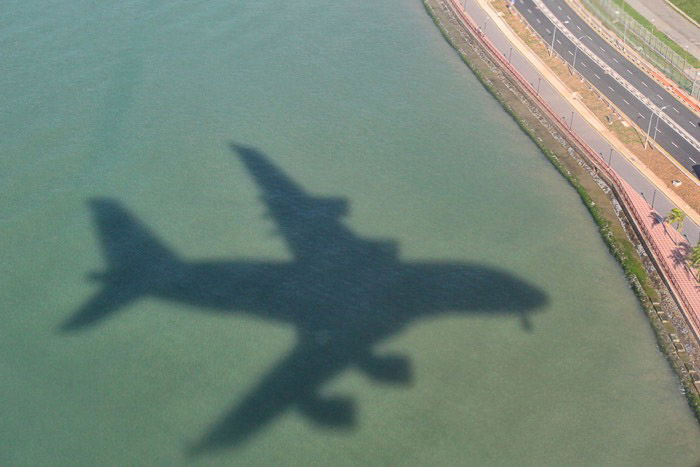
(656, 127)
(651, 117)
(573, 64)
(554, 35)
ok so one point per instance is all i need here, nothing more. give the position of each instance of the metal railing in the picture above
(603, 168)
(642, 40)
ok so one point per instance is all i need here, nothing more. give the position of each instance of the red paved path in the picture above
(668, 247)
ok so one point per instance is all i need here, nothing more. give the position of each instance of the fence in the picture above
(620, 187)
(647, 44)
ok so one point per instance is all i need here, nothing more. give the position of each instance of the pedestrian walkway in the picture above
(670, 22)
(668, 247)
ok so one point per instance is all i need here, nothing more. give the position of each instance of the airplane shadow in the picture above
(344, 294)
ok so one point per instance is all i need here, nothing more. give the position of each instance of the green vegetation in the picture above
(598, 204)
(689, 7)
(627, 8)
(676, 216)
(694, 257)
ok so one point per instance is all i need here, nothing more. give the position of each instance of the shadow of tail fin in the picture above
(136, 263)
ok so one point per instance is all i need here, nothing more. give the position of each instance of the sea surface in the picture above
(491, 326)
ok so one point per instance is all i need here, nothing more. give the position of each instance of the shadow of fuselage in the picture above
(342, 293)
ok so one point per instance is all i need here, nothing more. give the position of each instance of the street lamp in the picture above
(656, 127)
(573, 65)
(554, 34)
(651, 117)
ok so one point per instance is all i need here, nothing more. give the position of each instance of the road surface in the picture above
(635, 109)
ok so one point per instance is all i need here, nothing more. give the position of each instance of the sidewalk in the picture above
(667, 246)
(671, 23)
(586, 126)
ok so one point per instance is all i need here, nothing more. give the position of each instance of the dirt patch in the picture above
(673, 335)
(617, 123)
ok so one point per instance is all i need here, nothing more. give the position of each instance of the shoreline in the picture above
(605, 205)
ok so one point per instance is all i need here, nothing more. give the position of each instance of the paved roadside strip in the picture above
(663, 243)
(586, 125)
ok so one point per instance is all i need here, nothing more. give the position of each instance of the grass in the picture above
(627, 8)
(593, 197)
(689, 7)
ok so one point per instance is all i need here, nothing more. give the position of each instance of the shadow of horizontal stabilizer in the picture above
(342, 293)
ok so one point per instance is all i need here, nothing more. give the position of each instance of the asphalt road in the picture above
(664, 135)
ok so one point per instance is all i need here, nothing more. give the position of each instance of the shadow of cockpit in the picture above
(343, 293)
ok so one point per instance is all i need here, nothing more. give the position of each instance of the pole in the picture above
(510, 52)
(538, 85)
(571, 123)
(554, 34)
(651, 117)
(610, 156)
(653, 198)
(656, 127)
(573, 64)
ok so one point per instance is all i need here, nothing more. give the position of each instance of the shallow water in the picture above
(135, 104)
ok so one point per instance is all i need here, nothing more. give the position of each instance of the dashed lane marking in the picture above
(626, 102)
(615, 60)
(692, 160)
(673, 143)
(630, 72)
(584, 64)
(594, 74)
(675, 110)
(611, 89)
(645, 84)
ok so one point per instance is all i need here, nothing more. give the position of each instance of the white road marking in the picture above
(691, 122)
(594, 74)
(558, 41)
(642, 116)
(630, 72)
(659, 97)
(579, 27)
(548, 31)
(615, 60)
(645, 84)
(559, 6)
(568, 17)
(692, 160)
(529, 11)
(675, 110)
(674, 144)
(584, 64)
(570, 52)
(611, 89)
(626, 101)
(538, 20)
(659, 130)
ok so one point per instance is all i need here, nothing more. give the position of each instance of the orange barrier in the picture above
(687, 297)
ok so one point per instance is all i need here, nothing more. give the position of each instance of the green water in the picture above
(135, 103)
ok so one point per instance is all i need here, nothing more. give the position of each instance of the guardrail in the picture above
(603, 168)
(656, 110)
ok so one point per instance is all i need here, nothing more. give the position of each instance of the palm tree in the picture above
(694, 256)
(676, 216)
